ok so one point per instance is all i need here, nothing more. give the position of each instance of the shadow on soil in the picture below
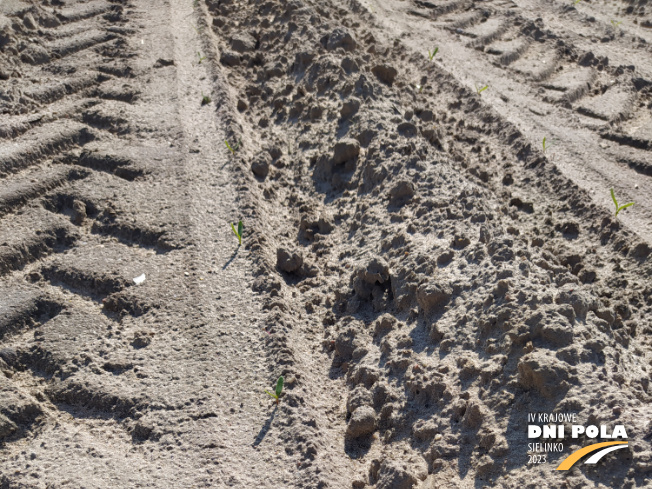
(263, 431)
(235, 253)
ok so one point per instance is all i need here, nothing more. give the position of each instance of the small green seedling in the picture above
(616, 24)
(619, 208)
(546, 146)
(431, 54)
(419, 87)
(238, 232)
(205, 99)
(279, 389)
(480, 89)
(576, 2)
(234, 148)
(201, 58)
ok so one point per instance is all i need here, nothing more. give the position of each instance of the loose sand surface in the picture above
(417, 265)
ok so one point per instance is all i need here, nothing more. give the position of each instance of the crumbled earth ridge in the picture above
(419, 271)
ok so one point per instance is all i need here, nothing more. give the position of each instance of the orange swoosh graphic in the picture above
(575, 456)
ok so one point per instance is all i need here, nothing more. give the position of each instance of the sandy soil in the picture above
(417, 266)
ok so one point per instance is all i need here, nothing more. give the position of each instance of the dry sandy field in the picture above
(430, 255)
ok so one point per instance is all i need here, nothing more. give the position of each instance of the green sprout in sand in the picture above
(233, 148)
(279, 389)
(546, 146)
(238, 232)
(619, 208)
(431, 54)
(615, 23)
(480, 89)
(201, 58)
(205, 99)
